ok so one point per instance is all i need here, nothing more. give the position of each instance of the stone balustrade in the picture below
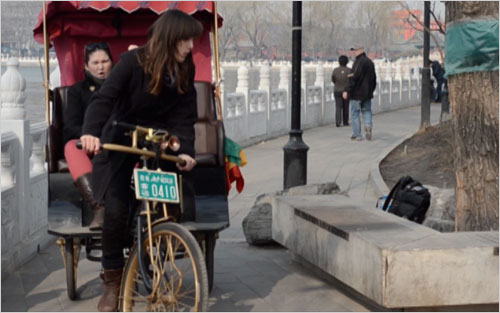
(9, 151)
(38, 138)
(28, 61)
(257, 115)
(24, 176)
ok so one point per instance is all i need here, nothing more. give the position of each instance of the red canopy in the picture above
(73, 24)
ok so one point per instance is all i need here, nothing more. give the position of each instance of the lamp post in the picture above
(295, 151)
(425, 119)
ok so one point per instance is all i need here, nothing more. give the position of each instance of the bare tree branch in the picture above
(441, 29)
(405, 6)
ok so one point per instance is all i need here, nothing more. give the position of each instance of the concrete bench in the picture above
(391, 261)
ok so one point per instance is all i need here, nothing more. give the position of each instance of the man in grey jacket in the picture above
(340, 80)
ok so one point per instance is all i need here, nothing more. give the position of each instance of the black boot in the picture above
(83, 185)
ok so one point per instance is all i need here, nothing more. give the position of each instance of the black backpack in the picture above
(409, 200)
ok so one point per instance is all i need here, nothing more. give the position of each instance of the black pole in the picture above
(295, 151)
(425, 119)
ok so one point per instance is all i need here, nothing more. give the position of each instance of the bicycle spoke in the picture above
(179, 304)
(164, 268)
(140, 299)
(185, 294)
(171, 258)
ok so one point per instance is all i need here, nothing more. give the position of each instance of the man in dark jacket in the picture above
(363, 81)
(438, 73)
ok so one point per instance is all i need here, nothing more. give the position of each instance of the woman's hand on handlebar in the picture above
(90, 144)
(190, 163)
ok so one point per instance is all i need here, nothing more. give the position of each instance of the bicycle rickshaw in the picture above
(121, 23)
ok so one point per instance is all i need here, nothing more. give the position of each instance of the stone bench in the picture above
(391, 261)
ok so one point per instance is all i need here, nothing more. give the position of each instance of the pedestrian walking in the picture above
(362, 83)
(340, 81)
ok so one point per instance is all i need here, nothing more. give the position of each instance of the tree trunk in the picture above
(474, 106)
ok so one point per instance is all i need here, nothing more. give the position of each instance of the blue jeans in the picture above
(365, 107)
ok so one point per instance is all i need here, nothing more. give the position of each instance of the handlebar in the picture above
(127, 149)
(123, 125)
(142, 130)
(152, 135)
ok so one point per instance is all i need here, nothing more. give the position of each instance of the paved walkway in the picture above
(246, 278)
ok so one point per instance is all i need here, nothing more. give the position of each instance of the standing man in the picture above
(362, 83)
(340, 79)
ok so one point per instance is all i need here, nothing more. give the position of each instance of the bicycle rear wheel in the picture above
(178, 274)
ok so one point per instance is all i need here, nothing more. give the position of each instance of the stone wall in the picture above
(24, 182)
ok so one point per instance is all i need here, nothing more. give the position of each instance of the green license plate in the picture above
(156, 186)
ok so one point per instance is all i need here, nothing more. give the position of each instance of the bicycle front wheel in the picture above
(177, 275)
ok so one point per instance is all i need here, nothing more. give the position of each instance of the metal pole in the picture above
(215, 43)
(425, 119)
(46, 84)
(46, 57)
(295, 151)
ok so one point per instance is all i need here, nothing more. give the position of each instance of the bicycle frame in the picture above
(147, 212)
(154, 221)
(154, 137)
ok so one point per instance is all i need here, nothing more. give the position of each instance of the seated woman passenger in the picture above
(98, 65)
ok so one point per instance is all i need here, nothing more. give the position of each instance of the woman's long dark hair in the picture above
(158, 54)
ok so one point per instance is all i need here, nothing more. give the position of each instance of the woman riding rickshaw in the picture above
(156, 86)
(151, 86)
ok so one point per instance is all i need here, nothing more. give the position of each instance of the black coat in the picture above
(437, 71)
(363, 79)
(124, 97)
(78, 101)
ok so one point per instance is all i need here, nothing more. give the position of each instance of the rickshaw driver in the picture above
(151, 86)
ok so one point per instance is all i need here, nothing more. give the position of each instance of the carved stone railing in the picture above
(24, 175)
(9, 153)
(10, 214)
(313, 107)
(328, 114)
(38, 138)
(278, 113)
(235, 116)
(36, 209)
(258, 113)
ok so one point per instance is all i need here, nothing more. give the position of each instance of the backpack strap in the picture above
(402, 183)
(391, 194)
